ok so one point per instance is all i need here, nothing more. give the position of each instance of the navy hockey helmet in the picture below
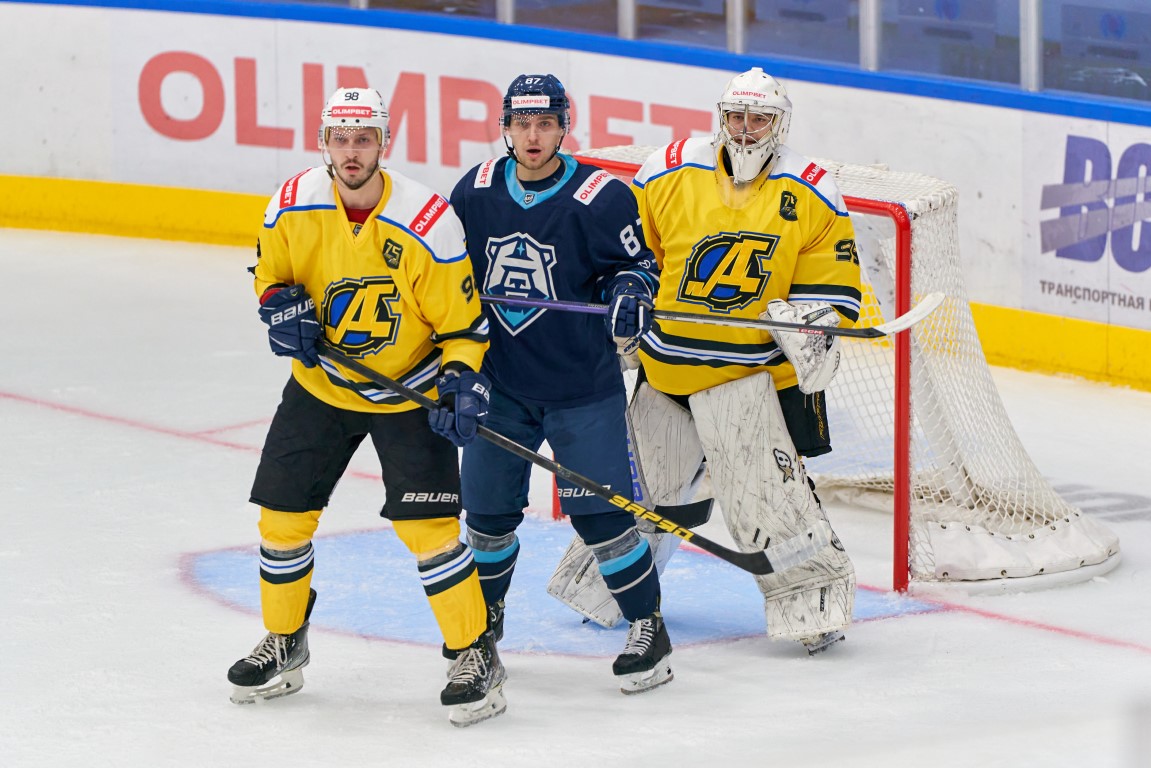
(537, 95)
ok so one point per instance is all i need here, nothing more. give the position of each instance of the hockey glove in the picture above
(292, 326)
(463, 405)
(629, 316)
(814, 355)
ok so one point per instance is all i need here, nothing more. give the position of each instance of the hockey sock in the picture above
(628, 570)
(496, 561)
(286, 560)
(285, 578)
(448, 575)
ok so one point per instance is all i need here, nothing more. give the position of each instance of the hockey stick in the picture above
(771, 560)
(925, 307)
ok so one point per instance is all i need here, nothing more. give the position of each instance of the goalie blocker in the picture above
(763, 503)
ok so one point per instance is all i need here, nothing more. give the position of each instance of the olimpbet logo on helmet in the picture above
(535, 119)
(754, 117)
(354, 135)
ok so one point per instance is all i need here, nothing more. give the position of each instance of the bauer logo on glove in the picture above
(290, 314)
(463, 406)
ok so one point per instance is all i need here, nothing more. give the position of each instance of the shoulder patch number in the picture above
(845, 250)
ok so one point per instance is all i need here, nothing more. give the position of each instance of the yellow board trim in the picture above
(131, 210)
(1016, 338)
(1034, 341)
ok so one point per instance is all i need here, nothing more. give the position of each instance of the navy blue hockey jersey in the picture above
(568, 242)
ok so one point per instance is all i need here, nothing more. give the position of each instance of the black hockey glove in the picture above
(463, 405)
(292, 326)
(629, 315)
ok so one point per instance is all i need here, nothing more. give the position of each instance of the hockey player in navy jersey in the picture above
(541, 225)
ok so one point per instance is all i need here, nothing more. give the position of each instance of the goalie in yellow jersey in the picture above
(742, 226)
(373, 264)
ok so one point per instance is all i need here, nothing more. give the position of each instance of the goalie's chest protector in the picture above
(728, 252)
(559, 243)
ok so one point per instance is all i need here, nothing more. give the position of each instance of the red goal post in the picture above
(918, 426)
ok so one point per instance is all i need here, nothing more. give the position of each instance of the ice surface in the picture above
(134, 393)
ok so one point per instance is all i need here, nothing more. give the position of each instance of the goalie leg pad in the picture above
(762, 488)
(666, 445)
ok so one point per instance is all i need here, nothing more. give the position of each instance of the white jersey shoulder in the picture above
(698, 152)
(425, 214)
(794, 165)
(309, 188)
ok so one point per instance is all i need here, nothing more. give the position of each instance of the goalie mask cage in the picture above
(918, 427)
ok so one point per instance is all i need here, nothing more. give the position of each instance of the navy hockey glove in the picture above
(292, 326)
(629, 315)
(463, 405)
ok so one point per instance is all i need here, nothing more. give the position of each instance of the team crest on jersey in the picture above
(519, 266)
(785, 464)
(728, 271)
(787, 202)
(392, 253)
(529, 198)
(360, 316)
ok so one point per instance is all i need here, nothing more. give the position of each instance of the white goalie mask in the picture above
(352, 108)
(749, 98)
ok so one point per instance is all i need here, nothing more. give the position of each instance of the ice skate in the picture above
(275, 667)
(495, 624)
(821, 643)
(475, 684)
(644, 664)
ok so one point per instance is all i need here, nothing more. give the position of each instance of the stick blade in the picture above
(925, 307)
(687, 515)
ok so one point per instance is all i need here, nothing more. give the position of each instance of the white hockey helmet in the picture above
(753, 93)
(355, 108)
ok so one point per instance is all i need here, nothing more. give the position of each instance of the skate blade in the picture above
(822, 643)
(492, 705)
(642, 682)
(290, 682)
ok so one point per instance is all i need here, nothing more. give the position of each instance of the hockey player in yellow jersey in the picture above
(744, 227)
(374, 264)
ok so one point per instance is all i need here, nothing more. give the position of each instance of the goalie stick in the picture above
(925, 307)
(773, 559)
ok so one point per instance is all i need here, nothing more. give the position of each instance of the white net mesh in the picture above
(979, 509)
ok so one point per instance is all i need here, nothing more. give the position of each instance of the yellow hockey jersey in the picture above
(396, 292)
(729, 251)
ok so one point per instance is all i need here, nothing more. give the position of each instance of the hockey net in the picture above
(917, 423)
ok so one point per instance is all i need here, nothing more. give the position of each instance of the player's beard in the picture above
(354, 184)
